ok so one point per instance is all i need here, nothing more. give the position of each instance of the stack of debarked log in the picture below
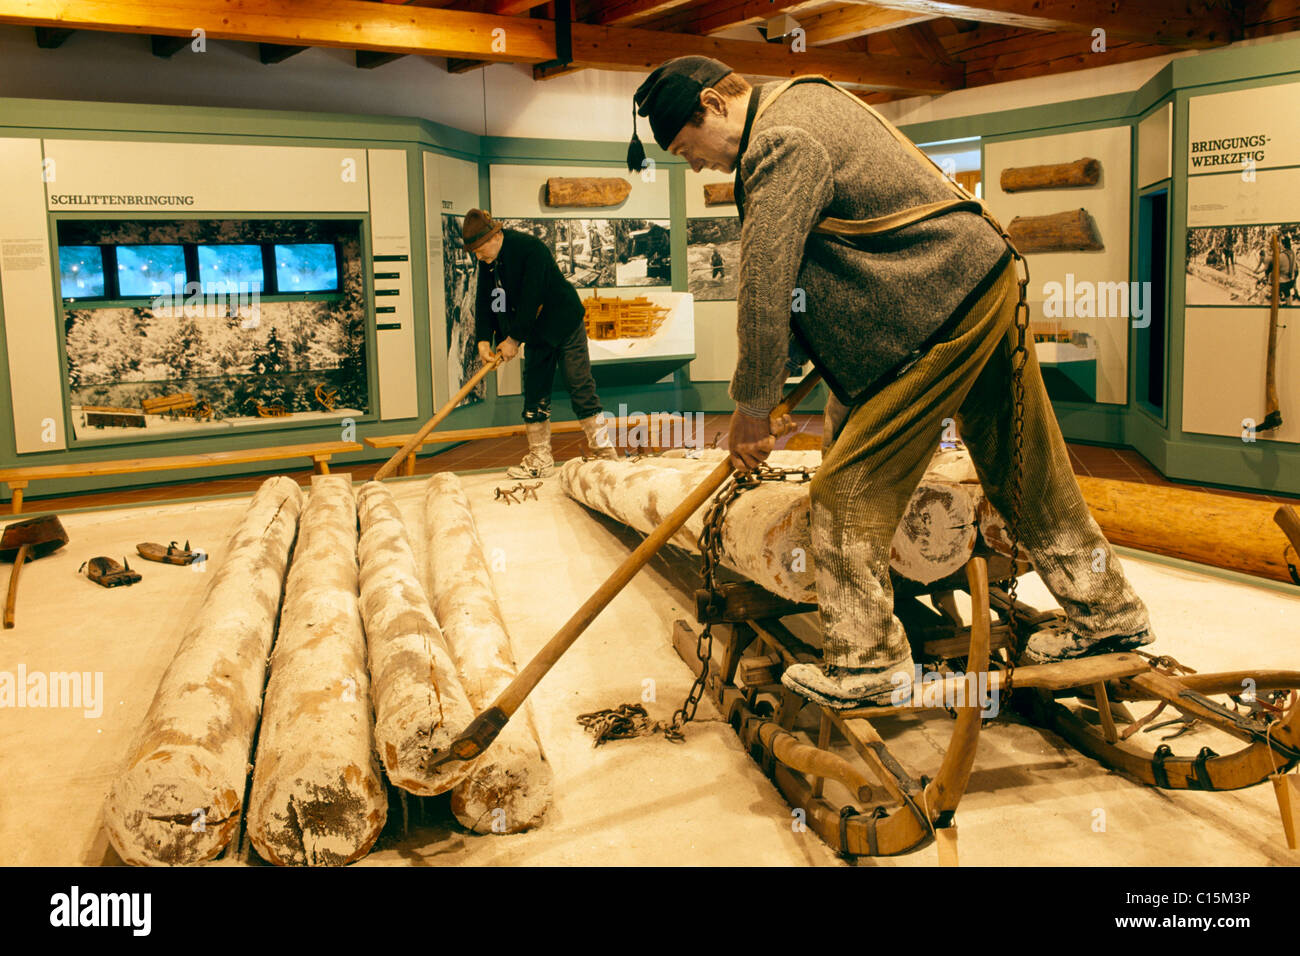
(367, 670)
(766, 532)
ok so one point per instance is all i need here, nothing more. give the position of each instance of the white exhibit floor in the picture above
(1031, 799)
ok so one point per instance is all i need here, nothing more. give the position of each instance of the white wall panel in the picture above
(123, 177)
(390, 226)
(28, 300)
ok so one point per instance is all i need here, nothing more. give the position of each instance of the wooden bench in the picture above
(319, 453)
(654, 422)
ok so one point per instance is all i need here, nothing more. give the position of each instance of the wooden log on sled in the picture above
(766, 535)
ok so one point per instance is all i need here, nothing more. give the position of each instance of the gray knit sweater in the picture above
(868, 303)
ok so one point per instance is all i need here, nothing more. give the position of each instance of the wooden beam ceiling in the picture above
(1186, 23)
(627, 13)
(714, 16)
(349, 24)
(390, 28)
(853, 20)
(620, 48)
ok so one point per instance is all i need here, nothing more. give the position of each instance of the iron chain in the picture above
(710, 544)
(1019, 359)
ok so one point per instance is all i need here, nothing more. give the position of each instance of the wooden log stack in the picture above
(510, 787)
(318, 798)
(420, 704)
(180, 797)
(766, 535)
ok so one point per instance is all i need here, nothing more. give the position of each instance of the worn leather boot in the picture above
(598, 440)
(538, 463)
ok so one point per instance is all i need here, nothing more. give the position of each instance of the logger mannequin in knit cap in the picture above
(524, 299)
(908, 327)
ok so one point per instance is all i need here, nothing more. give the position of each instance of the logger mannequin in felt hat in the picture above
(524, 299)
(909, 326)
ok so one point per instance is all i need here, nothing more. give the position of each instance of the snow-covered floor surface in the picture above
(1031, 799)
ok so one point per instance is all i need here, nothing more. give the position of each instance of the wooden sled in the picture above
(894, 810)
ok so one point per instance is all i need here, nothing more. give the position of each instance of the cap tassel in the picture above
(635, 151)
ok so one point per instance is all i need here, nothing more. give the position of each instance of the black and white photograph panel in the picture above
(460, 279)
(713, 257)
(1233, 265)
(584, 249)
(644, 252)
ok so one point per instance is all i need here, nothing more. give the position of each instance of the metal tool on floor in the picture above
(389, 468)
(484, 728)
(24, 541)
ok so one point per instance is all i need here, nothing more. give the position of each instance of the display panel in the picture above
(148, 271)
(306, 267)
(205, 357)
(81, 272)
(228, 268)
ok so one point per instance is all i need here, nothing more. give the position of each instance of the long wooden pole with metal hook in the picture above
(485, 727)
(389, 468)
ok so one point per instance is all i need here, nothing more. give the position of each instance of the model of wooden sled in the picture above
(883, 807)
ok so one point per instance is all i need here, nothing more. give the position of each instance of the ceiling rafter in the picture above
(1186, 23)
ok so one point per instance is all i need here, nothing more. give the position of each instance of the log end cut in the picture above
(318, 813)
(508, 792)
(171, 810)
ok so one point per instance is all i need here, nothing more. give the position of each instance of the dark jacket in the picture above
(538, 303)
(860, 308)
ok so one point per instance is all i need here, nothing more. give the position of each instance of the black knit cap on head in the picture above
(668, 97)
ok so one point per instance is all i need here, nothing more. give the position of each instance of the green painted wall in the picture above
(1263, 465)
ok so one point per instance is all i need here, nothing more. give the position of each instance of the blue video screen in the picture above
(81, 272)
(306, 267)
(232, 268)
(149, 270)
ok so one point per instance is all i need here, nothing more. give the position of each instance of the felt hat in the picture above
(668, 97)
(479, 228)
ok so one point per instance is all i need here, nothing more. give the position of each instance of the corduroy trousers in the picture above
(879, 455)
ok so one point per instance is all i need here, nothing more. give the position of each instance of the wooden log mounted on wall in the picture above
(719, 194)
(180, 797)
(318, 798)
(1070, 231)
(420, 704)
(1081, 172)
(511, 786)
(586, 190)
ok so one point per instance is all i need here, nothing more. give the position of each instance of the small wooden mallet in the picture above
(23, 540)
